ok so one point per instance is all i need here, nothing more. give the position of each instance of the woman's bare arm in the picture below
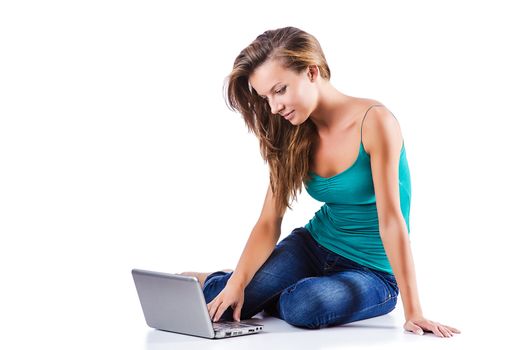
(260, 243)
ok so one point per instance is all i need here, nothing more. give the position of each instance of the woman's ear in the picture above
(313, 72)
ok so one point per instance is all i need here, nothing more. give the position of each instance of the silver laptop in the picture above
(176, 303)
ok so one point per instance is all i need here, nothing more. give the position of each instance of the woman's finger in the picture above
(210, 305)
(412, 327)
(434, 328)
(237, 312)
(445, 332)
(219, 312)
(213, 309)
(452, 329)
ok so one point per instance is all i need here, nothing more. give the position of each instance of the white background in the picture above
(117, 151)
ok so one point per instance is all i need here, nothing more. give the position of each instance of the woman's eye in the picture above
(281, 90)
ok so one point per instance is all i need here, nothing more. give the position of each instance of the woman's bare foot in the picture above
(201, 275)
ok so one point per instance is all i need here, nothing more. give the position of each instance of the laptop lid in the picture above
(173, 303)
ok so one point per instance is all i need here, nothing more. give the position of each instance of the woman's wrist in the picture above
(237, 280)
(415, 313)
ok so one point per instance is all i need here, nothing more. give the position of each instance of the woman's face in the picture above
(290, 94)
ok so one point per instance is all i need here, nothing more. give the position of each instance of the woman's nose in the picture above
(276, 107)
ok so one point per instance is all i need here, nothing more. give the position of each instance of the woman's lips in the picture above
(289, 115)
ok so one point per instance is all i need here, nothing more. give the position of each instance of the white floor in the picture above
(380, 332)
(117, 323)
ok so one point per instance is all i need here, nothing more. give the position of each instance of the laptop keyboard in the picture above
(218, 326)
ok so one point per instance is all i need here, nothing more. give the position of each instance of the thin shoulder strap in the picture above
(361, 130)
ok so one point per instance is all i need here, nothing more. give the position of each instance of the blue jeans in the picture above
(309, 286)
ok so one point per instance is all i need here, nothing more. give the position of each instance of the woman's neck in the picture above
(328, 114)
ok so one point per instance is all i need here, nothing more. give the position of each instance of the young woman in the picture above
(353, 258)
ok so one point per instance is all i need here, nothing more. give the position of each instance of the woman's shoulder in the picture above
(357, 104)
(377, 122)
(362, 107)
(363, 103)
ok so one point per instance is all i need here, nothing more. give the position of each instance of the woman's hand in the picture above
(232, 294)
(419, 324)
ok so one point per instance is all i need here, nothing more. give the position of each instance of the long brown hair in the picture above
(285, 147)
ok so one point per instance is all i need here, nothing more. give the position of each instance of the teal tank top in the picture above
(347, 223)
